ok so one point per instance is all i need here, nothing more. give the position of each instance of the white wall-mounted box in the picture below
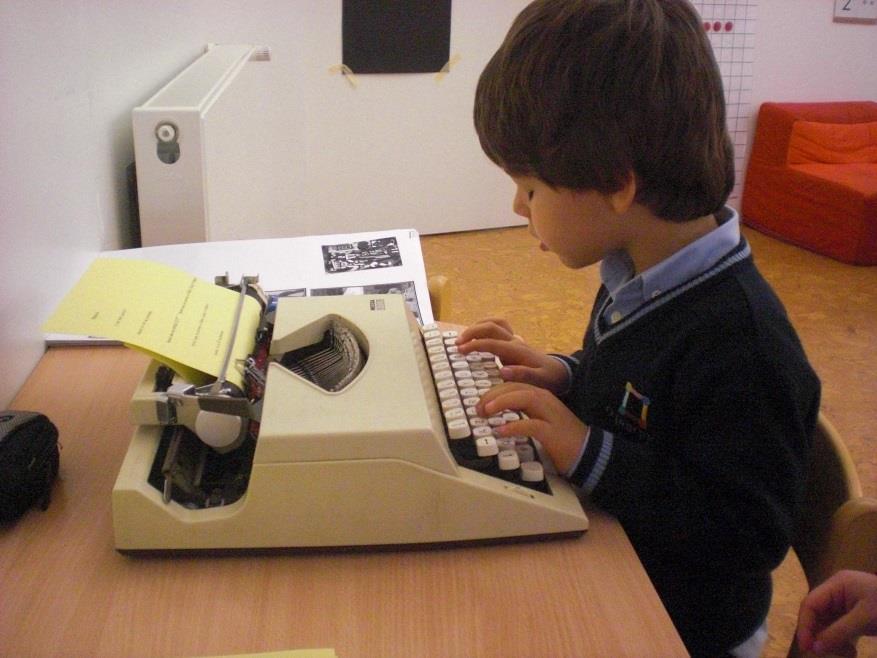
(178, 136)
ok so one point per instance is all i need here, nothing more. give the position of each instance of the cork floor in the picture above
(502, 273)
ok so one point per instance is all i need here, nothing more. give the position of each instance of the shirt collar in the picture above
(628, 292)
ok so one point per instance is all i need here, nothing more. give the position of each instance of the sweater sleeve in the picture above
(724, 485)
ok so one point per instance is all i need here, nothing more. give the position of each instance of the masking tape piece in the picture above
(346, 71)
(448, 66)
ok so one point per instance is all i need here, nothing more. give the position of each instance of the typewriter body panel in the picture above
(367, 465)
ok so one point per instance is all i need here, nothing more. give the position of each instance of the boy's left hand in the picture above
(549, 420)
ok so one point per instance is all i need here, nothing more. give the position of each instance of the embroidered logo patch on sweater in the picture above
(635, 406)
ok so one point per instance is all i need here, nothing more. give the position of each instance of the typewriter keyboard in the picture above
(460, 381)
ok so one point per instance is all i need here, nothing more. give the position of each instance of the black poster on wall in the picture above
(396, 36)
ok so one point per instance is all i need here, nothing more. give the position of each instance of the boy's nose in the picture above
(520, 206)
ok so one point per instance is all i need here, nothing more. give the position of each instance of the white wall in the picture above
(391, 151)
(801, 55)
(73, 70)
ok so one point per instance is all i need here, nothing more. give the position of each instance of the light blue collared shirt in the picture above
(628, 291)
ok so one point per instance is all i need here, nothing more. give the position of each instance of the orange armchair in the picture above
(812, 178)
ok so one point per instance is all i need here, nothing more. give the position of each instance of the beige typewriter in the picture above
(357, 428)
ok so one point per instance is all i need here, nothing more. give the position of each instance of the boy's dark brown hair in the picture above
(583, 92)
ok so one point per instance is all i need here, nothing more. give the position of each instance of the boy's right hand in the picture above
(521, 363)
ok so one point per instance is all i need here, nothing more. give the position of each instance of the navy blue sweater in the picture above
(702, 406)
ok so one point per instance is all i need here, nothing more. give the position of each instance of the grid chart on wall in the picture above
(730, 26)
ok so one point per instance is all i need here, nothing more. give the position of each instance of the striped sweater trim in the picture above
(736, 256)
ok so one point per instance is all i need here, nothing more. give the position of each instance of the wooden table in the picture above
(64, 590)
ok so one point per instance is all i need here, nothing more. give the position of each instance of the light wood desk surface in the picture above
(65, 591)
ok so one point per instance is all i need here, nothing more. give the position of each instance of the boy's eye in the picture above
(530, 195)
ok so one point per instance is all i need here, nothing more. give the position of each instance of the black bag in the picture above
(29, 460)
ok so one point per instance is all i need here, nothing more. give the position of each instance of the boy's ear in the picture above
(623, 198)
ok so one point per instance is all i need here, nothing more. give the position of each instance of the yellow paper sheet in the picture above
(175, 317)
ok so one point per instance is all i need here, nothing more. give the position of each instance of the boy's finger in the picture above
(491, 328)
(515, 396)
(816, 602)
(836, 636)
(807, 627)
(500, 322)
(521, 374)
(492, 394)
(524, 427)
(509, 352)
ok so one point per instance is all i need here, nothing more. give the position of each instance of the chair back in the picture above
(832, 480)
(852, 542)
(439, 296)
(838, 526)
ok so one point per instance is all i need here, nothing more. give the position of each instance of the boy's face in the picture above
(581, 227)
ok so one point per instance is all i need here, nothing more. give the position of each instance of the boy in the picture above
(688, 413)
